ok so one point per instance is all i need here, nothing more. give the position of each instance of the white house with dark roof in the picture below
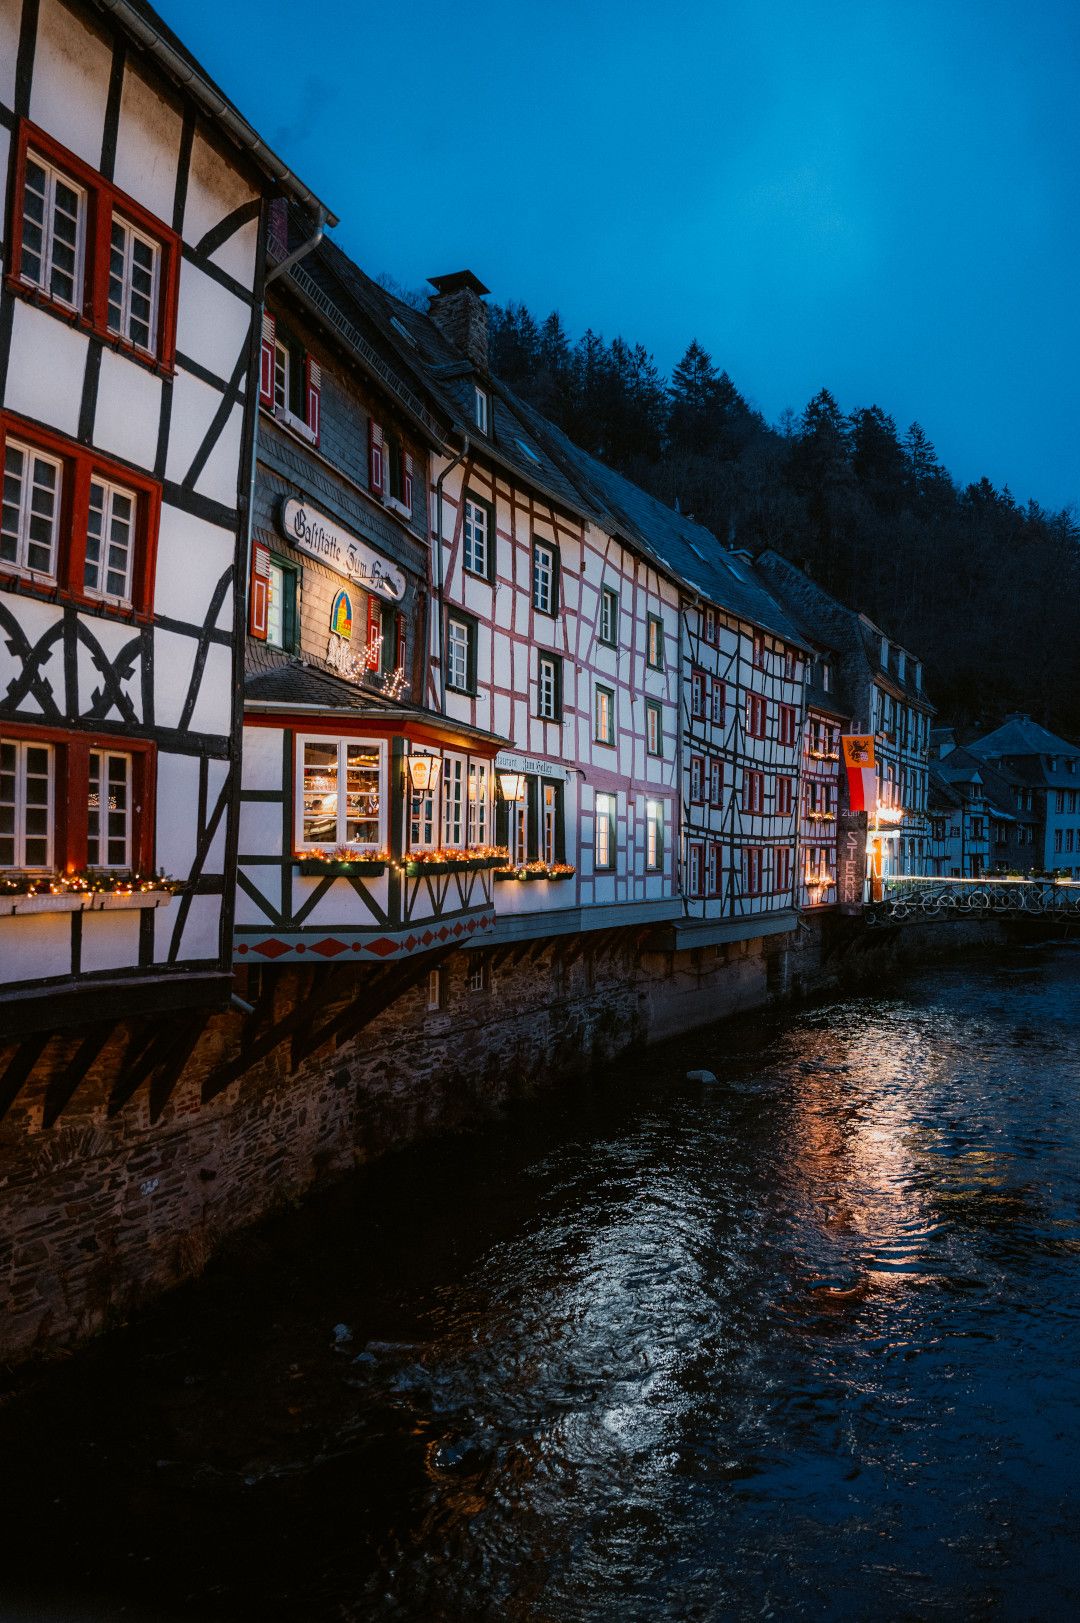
(1046, 770)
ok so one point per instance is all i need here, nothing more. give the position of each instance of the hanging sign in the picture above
(312, 532)
(861, 771)
(341, 615)
(505, 761)
(850, 861)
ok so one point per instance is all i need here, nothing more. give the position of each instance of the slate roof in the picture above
(1019, 736)
(826, 618)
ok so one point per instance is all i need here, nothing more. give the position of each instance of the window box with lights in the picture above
(364, 865)
(87, 252)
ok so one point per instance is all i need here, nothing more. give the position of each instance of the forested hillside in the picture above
(985, 590)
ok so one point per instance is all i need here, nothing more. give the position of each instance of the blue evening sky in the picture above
(880, 198)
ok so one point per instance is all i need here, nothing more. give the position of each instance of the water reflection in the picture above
(799, 1344)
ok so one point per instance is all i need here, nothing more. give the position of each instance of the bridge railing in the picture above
(908, 896)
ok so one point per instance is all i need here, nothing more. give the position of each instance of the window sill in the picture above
(95, 902)
(46, 590)
(75, 319)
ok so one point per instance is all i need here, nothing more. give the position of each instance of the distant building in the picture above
(1043, 772)
(881, 687)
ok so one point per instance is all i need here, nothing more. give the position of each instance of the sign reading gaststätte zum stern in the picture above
(312, 532)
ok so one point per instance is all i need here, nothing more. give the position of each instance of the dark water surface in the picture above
(802, 1344)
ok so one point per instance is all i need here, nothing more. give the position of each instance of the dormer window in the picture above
(481, 408)
(826, 677)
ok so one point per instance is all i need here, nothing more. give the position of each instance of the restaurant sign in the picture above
(851, 861)
(312, 532)
(507, 762)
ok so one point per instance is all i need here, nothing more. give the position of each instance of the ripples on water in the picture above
(800, 1344)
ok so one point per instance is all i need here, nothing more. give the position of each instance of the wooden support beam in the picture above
(169, 1074)
(148, 1047)
(59, 1092)
(18, 1068)
(400, 979)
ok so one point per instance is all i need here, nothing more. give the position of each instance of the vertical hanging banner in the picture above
(850, 861)
(861, 771)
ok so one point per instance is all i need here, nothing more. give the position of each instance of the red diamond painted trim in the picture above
(382, 948)
(330, 948)
(427, 938)
(270, 949)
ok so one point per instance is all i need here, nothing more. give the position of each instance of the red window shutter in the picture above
(407, 478)
(376, 477)
(260, 591)
(374, 631)
(312, 393)
(266, 360)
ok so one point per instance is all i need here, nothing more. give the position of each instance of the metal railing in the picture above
(908, 897)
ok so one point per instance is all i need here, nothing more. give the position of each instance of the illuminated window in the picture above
(604, 715)
(605, 832)
(654, 652)
(340, 794)
(654, 835)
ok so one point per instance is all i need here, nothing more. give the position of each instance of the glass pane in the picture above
(320, 794)
(362, 794)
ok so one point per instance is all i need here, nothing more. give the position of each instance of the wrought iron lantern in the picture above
(424, 772)
(512, 785)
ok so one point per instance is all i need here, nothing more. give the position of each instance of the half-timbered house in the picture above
(367, 816)
(128, 356)
(881, 685)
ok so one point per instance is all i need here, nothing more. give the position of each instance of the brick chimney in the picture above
(457, 309)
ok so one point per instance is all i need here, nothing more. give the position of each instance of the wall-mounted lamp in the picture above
(512, 785)
(424, 772)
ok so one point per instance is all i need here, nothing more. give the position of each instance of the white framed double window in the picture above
(27, 796)
(134, 285)
(29, 526)
(109, 810)
(340, 793)
(479, 792)
(282, 380)
(53, 232)
(110, 540)
(476, 538)
(460, 654)
(454, 801)
(549, 822)
(609, 616)
(605, 837)
(545, 578)
(604, 714)
(654, 835)
(549, 687)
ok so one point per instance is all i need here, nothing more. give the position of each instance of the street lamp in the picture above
(424, 772)
(512, 785)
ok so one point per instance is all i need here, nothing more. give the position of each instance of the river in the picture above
(803, 1343)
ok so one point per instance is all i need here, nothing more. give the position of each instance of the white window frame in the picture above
(604, 714)
(455, 648)
(549, 821)
(101, 591)
(547, 687)
(104, 837)
(132, 234)
(481, 409)
(20, 807)
(654, 836)
(19, 563)
(476, 539)
(609, 616)
(479, 803)
(654, 718)
(282, 364)
(455, 812)
(544, 577)
(343, 745)
(605, 837)
(44, 282)
(718, 701)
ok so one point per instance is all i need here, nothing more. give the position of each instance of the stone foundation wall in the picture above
(103, 1210)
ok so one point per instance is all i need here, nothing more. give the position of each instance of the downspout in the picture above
(297, 254)
(458, 460)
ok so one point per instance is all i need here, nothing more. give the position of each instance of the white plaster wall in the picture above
(269, 883)
(213, 708)
(177, 809)
(340, 908)
(260, 831)
(200, 937)
(212, 325)
(220, 477)
(174, 657)
(193, 408)
(111, 636)
(45, 371)
(10, 20)
(148, 145)
(192, 556)
(111, 939)
(32, 945)
(35, 619)
(238, 253)
(71, 81)
(262, 756)
(128, 410)
(215, 188)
